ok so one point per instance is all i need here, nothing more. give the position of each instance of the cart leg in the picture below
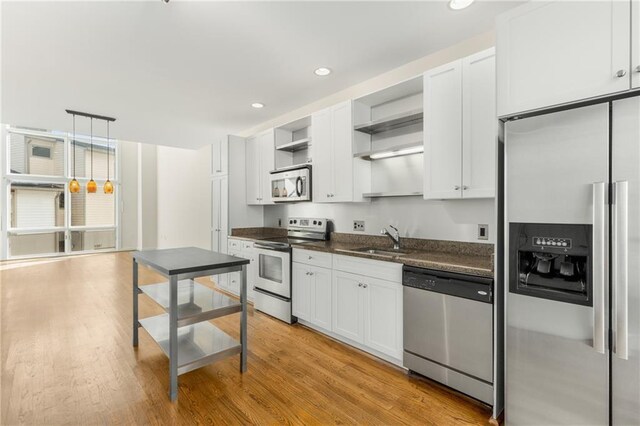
(135, 303)
(173, 337)
(243, 319)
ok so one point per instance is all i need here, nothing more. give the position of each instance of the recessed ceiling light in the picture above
(322, 71)
(257, 105)
(459, 4)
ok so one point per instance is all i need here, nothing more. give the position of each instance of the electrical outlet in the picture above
(358, 225)
(279, 223)
(483, 232)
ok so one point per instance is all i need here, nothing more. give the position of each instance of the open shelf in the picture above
(196, 302)
(198, 344)
(396, 150)
(392, 122)
(391, 194)
(294, 146)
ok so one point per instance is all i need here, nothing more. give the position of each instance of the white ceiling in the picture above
(184, 73)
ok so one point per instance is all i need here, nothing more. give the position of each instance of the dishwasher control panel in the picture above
(449, 283)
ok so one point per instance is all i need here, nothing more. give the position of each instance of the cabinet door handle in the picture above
(218, 171)
(364, 286)
(457, 187)
(310, 273)
(621, 73)
(310, 257)
(306, 273)
(638, 68)
(464, 188)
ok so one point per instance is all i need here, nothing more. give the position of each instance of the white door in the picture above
(348, 306)
(443, 132)
(322, 179)
(320, 297)
(383, 316)
(635, 43)
(223, 225)
(342, 142)
(555, 52)
(267, 164)
(252, 162)
(301, 291)
(215, 214)
(479, 125)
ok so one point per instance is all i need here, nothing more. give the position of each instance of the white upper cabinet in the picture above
(635, 44)
(260, 160)
(479, 125)
(460, 128)
(551, 53)
(443, 132)
(332, 153)
(220, 157)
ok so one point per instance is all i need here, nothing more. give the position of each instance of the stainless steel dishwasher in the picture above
(448, 329)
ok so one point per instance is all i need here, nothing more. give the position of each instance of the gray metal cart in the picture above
(184, 332)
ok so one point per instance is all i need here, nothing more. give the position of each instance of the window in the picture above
(42, 216)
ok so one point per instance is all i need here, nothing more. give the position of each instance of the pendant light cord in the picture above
(91, 148)
(74, 146)
(108, 150)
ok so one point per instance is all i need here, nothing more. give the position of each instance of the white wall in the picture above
(128, 156)
(183, 197)
(417, 218)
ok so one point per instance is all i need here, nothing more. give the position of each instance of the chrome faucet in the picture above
(395, 237)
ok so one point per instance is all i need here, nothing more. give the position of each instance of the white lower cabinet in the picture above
(311, 297)
(352, 299)
(368, 311)
(231, 282)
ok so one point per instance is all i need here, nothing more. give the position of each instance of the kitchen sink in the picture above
(379, 252)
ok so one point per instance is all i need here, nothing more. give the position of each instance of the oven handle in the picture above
(598, 266)
(268, 293)
(282, 247)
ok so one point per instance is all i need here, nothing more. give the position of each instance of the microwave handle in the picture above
(299, 186)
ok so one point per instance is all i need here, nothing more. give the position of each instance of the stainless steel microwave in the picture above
(291, 184)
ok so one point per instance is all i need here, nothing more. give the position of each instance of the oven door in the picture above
(291, 185)
(274, 271)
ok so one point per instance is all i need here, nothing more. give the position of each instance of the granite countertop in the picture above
(466, 258)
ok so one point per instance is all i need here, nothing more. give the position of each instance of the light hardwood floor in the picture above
(67, 359)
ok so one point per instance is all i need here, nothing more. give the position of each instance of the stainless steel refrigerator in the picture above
(572, 261)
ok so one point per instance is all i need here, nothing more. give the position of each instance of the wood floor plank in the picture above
(67, 359)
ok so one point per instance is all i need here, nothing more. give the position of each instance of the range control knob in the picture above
(315, 222)
(320, 223)
(290, 221)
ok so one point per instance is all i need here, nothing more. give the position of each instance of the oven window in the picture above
(270, 268)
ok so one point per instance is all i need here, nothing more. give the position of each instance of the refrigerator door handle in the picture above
(599, 244)
(620, 271)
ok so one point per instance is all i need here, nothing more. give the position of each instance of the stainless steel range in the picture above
(273, 281)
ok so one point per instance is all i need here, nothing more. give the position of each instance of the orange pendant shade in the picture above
(92, 187)
(108, 187)
(74, 186)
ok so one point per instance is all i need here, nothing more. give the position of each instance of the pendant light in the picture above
(74, 186)
(108, 186)
(91, 185)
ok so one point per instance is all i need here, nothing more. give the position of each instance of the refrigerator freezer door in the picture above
(625, 378)
(554, 374)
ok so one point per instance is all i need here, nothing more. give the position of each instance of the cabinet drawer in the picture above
(234, 244)
(314, 258)
(389, 271)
